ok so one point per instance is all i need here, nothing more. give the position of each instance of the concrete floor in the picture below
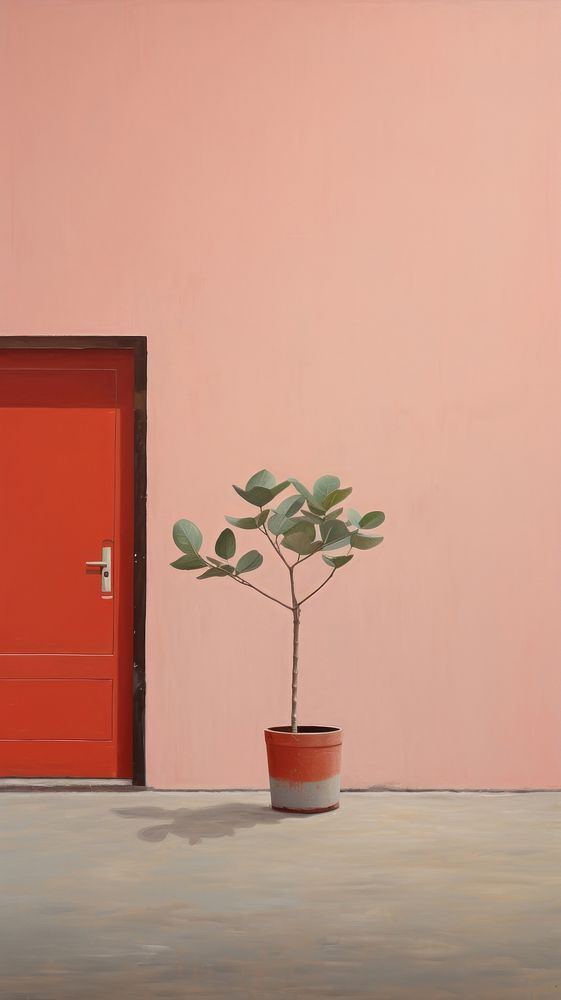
(178, 895)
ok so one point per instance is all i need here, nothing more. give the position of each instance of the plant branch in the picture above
(245, 583)
(303, 560)
(275, 545)
(303, 601)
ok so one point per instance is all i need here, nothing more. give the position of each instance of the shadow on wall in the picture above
(196, 825)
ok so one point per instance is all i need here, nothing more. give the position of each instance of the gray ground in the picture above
(173, 895)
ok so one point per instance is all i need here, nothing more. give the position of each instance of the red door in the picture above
(66, 500)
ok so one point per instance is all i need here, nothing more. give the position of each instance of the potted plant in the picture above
(304, 761)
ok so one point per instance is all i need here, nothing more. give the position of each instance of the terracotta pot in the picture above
(304, 768)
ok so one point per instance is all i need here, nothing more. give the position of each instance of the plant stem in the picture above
(295, 651)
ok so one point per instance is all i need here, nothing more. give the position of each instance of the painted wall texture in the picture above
(339, 226)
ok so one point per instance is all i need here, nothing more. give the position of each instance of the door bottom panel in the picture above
(56, 709)
(60, 759)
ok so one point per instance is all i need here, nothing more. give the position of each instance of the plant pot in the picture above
(304, 768)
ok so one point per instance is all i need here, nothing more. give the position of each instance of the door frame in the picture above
(138, 348)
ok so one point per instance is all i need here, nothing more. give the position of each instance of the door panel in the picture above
(56, 709)
(66, 489)
(58, 499)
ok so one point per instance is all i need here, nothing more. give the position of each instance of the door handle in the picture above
(106, 570)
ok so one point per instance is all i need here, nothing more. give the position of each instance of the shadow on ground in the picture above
(196, 825)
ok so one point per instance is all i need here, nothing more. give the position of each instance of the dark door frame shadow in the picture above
(196, 825)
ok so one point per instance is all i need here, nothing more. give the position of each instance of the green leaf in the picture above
(211, 572)
(304, 527)
(300, 538)
(336, 497)
(299, 543)
(290, 505)
(333, 514)
(323, 487)
(295, 506)
(314, 518)
(262, 517)
(257, 495)
(372, 520)
(244, 522)
(335, 534)
(278, 489)
(279, 524)
(263, 478)
(250, 561)
(187, 537)
(336, 561)
(303, 490)
(188, 562)
(221, 565)
(319, 511)
(359, 541)
(226, 544)
(354, 517)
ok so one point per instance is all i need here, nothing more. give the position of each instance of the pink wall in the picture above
(339, 226)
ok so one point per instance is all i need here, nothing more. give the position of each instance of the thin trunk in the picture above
(295, 643)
